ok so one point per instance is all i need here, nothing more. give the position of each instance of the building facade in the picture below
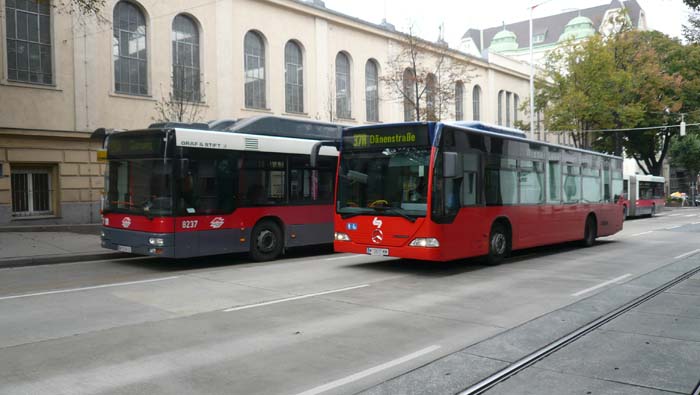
(63, 75)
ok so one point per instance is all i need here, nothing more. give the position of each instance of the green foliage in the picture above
(692, 3)
(630, 79)
(685, 152)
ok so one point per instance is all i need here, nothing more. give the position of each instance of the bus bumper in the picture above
(406, 252)
(141, 243)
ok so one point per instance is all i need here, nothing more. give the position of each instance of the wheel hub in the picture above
(266, 241)
(498, 243)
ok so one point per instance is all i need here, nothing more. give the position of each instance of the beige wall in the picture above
(51, 124)
(84, 98)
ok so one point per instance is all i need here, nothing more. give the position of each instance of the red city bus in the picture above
(444, 191)
(642, 195)
(182, 192)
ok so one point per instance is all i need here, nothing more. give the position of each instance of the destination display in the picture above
(133, 145)
(386, 137)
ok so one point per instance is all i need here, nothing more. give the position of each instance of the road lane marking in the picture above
(686, 254)
(368, 372)
(593, 288)
(250, 306)
(674, 227)
(60, 291)
(643, 233)
(675, 215)
(691, 215)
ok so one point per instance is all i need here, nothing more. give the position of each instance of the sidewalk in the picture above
(46, 245)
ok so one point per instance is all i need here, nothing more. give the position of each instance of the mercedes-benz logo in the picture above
(377, 236)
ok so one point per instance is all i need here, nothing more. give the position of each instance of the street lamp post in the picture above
(532, 73)
(532, 82)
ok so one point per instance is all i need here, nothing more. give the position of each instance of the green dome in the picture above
(578, 29)
(504, 40)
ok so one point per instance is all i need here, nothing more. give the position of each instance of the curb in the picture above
(77, 228)
(63, 258)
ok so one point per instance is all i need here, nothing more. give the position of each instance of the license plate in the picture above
(124, 248)
(378, 251)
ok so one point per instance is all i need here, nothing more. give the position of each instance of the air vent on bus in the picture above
(251, 144)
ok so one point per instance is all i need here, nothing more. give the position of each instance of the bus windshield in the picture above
(140, 186)
(392, 181)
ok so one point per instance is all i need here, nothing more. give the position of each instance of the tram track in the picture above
(504, 374)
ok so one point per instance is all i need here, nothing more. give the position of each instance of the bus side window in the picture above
(554, 176)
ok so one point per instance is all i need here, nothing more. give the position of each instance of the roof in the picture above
(553, 25)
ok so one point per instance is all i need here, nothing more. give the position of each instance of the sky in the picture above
(459, 15)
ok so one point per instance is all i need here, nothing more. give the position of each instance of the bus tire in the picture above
(265, 241)
(590, 232)
(499, 244)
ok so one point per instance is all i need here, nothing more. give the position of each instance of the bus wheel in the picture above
(590, 233)
(499, 244)
(266, 241)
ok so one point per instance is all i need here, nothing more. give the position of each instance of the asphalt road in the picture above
(312, 323)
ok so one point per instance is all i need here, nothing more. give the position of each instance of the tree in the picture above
(423, 76)
(685, 152)
(621, 81)
(691, 32)
(183, 101)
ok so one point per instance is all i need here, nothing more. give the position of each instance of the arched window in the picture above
(508, 95)
(342, 86)
(29, 41)
(186, 71)
(293, 78)
(409, 90)
(430, 92)
(500, 108)
(129, 50)
(516, 104)
(254, 55)
(476, 99)
(372, 90)
(459, 101)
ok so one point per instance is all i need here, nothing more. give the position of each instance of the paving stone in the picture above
(527, 338)
(653, 362)
(535, 381)
(681, 328)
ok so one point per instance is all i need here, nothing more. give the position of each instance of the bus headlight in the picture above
(341, 236)
(102, 234)
(429, 242)
(156, 241)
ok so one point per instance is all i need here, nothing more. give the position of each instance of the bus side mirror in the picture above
(317, 148)
(451, 165)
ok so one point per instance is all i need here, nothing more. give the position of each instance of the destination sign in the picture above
(135, 145)
(386, 137)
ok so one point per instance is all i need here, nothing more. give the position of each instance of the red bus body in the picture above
(466, 234)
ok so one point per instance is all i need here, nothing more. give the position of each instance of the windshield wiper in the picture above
(350, 215)
(391, 210)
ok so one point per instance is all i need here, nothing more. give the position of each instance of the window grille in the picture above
(32, 192)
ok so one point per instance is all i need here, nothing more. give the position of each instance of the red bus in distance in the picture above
(444, 191)
(178, 192)
(643, 195)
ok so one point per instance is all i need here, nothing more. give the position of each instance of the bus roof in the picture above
(487, 129)
(269, 125)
